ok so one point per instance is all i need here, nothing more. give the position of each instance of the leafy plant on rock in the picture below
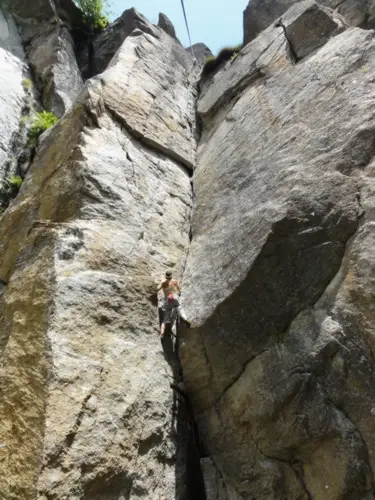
(39, 124)
(15, 181)
(93, 13)
(27, 83)
(212, 63)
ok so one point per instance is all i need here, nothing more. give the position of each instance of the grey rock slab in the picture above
(150, 86)
(44, 26)
(307, 27)
(302, 29)
(12, 93)
(52, 55)
(259, 15)
(99, 218)
(166, 25)
(279, 223)
(107, 43)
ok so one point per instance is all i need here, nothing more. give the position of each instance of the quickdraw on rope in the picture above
(187, 27)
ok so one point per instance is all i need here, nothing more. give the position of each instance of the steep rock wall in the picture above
(278, 283)
(86, 411)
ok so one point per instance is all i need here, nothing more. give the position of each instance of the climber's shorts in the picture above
(170, 311)
(169, 315)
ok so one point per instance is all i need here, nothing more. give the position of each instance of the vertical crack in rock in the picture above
(293, 55)
(364, 444)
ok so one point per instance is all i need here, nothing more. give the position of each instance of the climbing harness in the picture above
(187, 28)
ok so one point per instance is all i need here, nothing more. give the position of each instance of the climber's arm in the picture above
(160, 286)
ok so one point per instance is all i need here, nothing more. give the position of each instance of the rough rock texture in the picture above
(279, 277)
(307, 27)
(166, 24)
(155, 101)
(107, 43)
(17, 99)
(214, 485)
(51, 55)
(259, 14)
(86, 411)
(45, 26)
(201, 51)
(12, 93)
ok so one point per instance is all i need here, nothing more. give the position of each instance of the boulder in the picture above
(307, 26)
(258, 15)
(166, 25)
(86, 408)
(278, 282)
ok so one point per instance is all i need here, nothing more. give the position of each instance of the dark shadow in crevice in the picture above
(188, 474)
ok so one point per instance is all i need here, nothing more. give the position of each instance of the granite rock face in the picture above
(106, 44)
(259, 14)
(15, 101)
(275, 245)
(12, 93)
(280, 362)
(45, 28)
(86, 411)
(154, 100)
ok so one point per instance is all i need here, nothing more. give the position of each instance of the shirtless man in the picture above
(171, 306)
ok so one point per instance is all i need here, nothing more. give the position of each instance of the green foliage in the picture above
(39, 124)
(23, 121)
(15, 181)
(27, 83)
(212, 63)
(93, 13)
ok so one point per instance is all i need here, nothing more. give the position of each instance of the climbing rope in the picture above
(187, 28)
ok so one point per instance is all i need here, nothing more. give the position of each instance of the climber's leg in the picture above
(169, 317)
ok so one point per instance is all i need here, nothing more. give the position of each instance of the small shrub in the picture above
(27, 83)
(15, 181)
(93, 13)
(39, 124)
(225, 54)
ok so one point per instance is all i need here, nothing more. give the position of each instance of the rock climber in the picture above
(171, 303)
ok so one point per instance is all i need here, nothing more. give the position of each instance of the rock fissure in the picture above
(298, 475)
(294, 58)
(273, 237)
(365, 447)
(186, 166)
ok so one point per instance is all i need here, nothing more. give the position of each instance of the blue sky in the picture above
(217, 23)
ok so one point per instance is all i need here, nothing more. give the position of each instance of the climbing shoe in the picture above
(187, 323)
